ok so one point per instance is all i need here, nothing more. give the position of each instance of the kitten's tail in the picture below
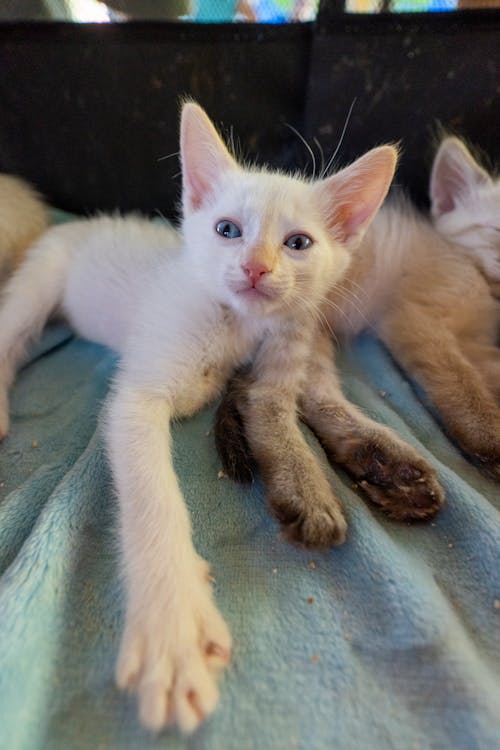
(230, 439)
(29, 298)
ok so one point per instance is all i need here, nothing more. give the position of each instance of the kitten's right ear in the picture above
(204, 157)
(455, 174)
(351, 198)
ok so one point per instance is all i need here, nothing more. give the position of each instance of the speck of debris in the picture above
(496, 604)
(383, 393)
(207, 433)
(220, 475)
(315, 658)
(312, 565)
(275, 570)
(433, 525)
(450, 545)
(34, 444)
(354, 486)
(310, 600)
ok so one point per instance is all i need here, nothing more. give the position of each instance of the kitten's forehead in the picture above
(270, 196)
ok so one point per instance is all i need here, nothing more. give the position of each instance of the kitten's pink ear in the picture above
(204, 157)
(455, 174)
(351, 198)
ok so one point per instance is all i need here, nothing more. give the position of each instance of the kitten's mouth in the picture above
(252, 292)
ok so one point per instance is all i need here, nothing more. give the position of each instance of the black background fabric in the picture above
(88, 110)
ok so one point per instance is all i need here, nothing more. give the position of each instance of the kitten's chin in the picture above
(254, 300)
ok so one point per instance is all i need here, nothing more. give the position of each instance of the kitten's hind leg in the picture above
(388, 470)
(28, 299)
(431, 354)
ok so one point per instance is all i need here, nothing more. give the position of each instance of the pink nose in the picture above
(254, 270)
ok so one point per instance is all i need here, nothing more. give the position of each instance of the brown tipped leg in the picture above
(298, 491)
(388, 470)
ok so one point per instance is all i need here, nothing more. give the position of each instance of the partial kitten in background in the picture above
(465, 206)
(443, 322)
(23, 217)
(244, 278)
(430, 303)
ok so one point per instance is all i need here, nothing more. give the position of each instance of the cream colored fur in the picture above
(426, 290)
(23, 217)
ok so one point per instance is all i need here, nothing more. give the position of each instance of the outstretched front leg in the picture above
(297, 489)
(174, 637)
(387, 469)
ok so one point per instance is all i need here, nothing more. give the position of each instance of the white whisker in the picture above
(311, 153)
(321, 153)
(168, 156)
(332, 158)
(162, 217)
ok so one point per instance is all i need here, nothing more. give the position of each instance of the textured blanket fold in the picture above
(391, 641)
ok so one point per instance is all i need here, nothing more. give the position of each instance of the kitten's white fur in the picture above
(182, 314)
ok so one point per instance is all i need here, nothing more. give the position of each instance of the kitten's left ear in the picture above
(455, 174)
(204, 157)
(351, 198)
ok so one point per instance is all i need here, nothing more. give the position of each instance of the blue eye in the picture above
(299, 242)
(228, 229)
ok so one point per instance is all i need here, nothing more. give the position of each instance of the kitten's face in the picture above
(268, 243)
(465, 198)
(262, 242)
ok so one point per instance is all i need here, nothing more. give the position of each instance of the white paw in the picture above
(169, 656)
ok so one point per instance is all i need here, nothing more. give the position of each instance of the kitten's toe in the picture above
(170, 656)
(309, 521)
(320, 529)
(419, 501)
(394, 477)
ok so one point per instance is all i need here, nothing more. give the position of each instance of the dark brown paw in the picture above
(317, 527)
(404, 486)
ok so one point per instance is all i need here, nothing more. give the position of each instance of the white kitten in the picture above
(257, 251)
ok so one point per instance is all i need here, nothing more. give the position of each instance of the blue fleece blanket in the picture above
(391, 641)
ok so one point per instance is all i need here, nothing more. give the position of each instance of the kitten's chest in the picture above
(222, 348)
